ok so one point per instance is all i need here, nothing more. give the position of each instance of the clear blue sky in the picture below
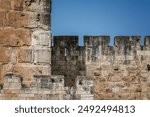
(101, 17)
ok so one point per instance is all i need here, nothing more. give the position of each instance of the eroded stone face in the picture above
(15, 37)
(41, 38)
(19, 21)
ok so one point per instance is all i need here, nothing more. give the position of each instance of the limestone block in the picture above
(42, 55)
(13, 86)
(22, 19)
(17, 19)
(14, 37)
(37, 5)
(25, 55)
(41, 38)
(33, 20)
(12, 81)
(44, 69)
(45, 20)
(5, 54)
(87, 97)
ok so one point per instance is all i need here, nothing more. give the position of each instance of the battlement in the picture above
(70, 59)
(100, 40)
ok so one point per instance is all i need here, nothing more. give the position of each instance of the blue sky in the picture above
(101, 17)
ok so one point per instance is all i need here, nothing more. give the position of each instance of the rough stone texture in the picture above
(25, 55)
(25, 37)
(119, 72)
(5, 55)
(15, 37)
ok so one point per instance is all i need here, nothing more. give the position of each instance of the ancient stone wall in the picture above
(118, 72)
(68, 58)
(24, 43)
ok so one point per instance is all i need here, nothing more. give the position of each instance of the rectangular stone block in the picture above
(15, 37)
(5, 54)
(17, 19)
(87, 97)
(44, 69)
(41, 38)
(33, 20)
(45, 20)
(25, 55)
(42, 56)
(22, 19)
(37, 5)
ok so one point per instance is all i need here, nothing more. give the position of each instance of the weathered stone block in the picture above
(87, 97)
(5, 54)
(12, 81)
(17, 19)
(33, 20)
(23, 19)
(25, 55)
(42, 56)
(34, 6)
(15, 37)
(41, 38)
(45, 20)
(44, 69)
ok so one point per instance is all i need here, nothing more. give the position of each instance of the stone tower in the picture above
(24, 43)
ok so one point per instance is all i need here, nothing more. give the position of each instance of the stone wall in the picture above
(67, 58)
(118, 72)
(24, 43)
